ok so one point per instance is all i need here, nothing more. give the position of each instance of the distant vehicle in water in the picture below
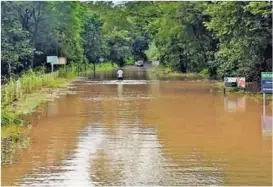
(139, 63)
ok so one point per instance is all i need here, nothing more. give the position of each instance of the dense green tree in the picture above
(33, 30)
(181, 38)
(93, 39)
(15, 41)
(139, 46)
(244, 30)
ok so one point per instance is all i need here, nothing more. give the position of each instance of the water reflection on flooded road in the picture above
(145, 132)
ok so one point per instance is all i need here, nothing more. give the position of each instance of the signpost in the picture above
(241, 82)
(52, 60)
(266, 85)
(230, 82)
(55, 60)
(61, 60)
(234, 82)
(266, 82)
(266, 88)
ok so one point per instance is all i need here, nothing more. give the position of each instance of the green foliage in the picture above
(15, 42)
(181, 39)
(106, 66)
(245, 37)
(140, 44)
(153, 52)
(28, 83)
(130, 61)
(122, 33)
(67, 73)
(8, 118)
(33, 30)
(119, 43)
(92, 39)
(12, 141)
(205, 72)
(227, 38)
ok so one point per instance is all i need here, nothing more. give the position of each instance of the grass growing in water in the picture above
(12, 138)
(162, 71)
(130, 61)
(106, 66)
(73, 71)
(12, 141)
(9, 118)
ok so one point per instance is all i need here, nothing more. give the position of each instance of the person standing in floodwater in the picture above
(120, 75)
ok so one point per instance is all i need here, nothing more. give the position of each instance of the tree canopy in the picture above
(223, 38)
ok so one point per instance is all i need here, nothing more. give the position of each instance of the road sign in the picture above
(267, 76)
(61, 60)
(230, 82)
(266, 82)
(241, 82)
(52, 59)
(230, 79)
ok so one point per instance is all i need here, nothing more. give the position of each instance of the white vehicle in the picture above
(139, 63)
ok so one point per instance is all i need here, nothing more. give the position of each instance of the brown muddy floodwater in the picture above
(146, 132)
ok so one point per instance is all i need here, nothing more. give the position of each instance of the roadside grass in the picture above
(167, 72)
(28, 83)
(106, 66)
(130, 61)
(10, 118)
(29, 103)
(11, 131)
(58, 83)
(83, 69)
(13, 140)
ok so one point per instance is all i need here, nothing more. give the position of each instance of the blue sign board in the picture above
(266, 82)
(52, 59)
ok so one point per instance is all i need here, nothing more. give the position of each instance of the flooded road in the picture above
(146, 132)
